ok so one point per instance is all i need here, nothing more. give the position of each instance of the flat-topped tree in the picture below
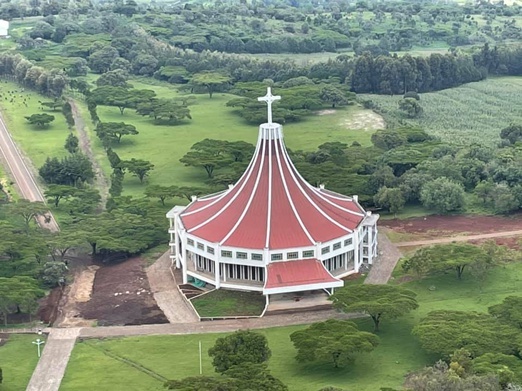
(27, 210)
(120, 97)
(55, 193)
(210, 80)
(40, 120)
(138, 167)
(378, 301)
(209, 154)
(509, 311)
(443, 257)
(335, 341)
(114, 131)
(442, 332)
(161, 192)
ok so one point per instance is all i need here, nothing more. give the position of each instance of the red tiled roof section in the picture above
(300, 272)
(272, 206)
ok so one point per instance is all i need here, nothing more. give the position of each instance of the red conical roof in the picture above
(272, 206)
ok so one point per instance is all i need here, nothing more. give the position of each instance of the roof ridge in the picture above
(287, 191)
(250, 199)
(307, 196)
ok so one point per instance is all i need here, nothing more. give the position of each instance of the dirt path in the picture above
(51, 367)
(461, 238)
(166, 293)
(383, 267)
(101, 182)
(22, 175)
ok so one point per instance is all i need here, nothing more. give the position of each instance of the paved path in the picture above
(383, 267)
(21, 174)
(166, 292)
(51, 367)
(462, 238)
(216, 326)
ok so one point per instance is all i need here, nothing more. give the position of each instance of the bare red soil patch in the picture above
(121, 296)
(434, 226)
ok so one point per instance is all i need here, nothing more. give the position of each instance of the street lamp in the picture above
(38, 342)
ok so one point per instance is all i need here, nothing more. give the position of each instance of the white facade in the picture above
(4, 28)
(245, 269)
(253, 228)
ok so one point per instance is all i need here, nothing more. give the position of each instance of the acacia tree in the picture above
(243, 346)
(55, 193)
(378, 301)
(119, 97)
(27, 210)
(40, 120)
(114, 131)
(509, 311)
(209, 154)
(15, 291)
(161, 192)
(442, 332)
(334, 341)
(443, 257)
(138, 167)
(210, 80)
(246, 376)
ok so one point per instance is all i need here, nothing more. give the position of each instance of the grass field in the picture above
(18, 359)
(36, 143)
(165, 145)
(472, 113)
(177, 357)
(399, 352)
(229, 303)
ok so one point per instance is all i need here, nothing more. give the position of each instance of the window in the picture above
(257, 257)
(308, 254)
(240, 255)
(190, 242)
(226, 254)
(348, 242)
(337, 246)
(201, 246)
(277, 257)
(293, 255)
(325, 250)
(210, 250)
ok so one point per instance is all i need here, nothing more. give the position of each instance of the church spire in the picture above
(269, 98)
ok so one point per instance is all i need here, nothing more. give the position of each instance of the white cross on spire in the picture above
(269, 98)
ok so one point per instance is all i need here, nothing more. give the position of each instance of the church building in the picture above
(272, 231)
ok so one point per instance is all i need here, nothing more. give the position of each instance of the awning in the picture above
(299, 275)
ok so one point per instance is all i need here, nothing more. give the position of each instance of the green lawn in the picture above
(398, 352)
(177, 357)
(471, 113)
(36, 143)
(229, 303)
(165, 145)
(18, 358)
(447, 292)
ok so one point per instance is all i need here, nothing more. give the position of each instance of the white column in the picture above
(217, 265)
(175, 250)
(357, 250)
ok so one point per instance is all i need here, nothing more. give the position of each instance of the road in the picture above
(22, 176)
(461, 238)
